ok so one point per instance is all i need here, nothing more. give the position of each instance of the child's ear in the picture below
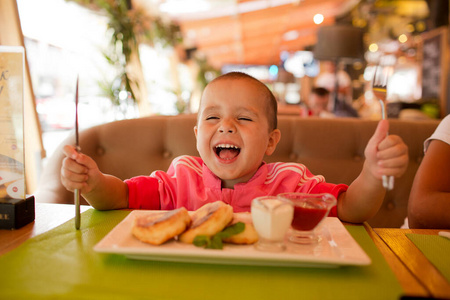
(195, 131)
(274, 138)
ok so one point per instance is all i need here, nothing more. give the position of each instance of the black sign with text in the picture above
(432, 68)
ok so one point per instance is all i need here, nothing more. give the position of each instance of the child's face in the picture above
(233, 130)
(318, 103)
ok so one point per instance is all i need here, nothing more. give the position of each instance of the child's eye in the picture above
(212, 118)
(245, 119)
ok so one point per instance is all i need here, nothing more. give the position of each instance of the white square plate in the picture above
(336, 248)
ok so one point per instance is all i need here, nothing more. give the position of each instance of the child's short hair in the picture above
(271, 101)
(320, 91)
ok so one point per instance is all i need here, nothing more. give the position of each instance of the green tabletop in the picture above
(61, 264)
(436, 249)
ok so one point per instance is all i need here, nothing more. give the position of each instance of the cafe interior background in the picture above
(137, 58)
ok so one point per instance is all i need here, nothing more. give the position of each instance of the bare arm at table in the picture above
(385, 155)
(102, 191)
(429, 201)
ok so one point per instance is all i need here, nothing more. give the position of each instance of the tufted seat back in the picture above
(330, 147)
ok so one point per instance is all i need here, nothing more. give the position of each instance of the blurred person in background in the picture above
(318, 103)
(341, 101)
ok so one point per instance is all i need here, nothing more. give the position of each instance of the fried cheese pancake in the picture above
(246, 237)
(208, 220)
(157, 228)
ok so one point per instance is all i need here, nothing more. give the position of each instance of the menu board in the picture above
(434, 67)
(12, 170)
(431, 67)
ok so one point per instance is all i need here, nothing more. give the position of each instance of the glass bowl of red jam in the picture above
(309, 211)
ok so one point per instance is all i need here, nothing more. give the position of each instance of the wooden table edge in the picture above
(415, 260)
(409, 283)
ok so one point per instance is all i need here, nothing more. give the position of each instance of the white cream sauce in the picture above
(271, 217)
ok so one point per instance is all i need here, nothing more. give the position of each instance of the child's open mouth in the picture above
(227, 151)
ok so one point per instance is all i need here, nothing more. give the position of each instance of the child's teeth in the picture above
(226, 146)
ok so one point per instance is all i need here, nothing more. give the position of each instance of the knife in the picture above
(77, 147)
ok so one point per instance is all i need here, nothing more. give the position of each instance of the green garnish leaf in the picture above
(216, 241)
(202, 241)
(232, 230)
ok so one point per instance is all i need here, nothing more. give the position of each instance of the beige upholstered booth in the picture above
(330, 147)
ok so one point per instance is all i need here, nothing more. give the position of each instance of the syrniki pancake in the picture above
(208, 220)
(246, 237)
(157, 228)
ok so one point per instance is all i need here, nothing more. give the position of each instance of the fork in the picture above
(379, 89)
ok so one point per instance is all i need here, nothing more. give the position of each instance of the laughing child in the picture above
(237, 126)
